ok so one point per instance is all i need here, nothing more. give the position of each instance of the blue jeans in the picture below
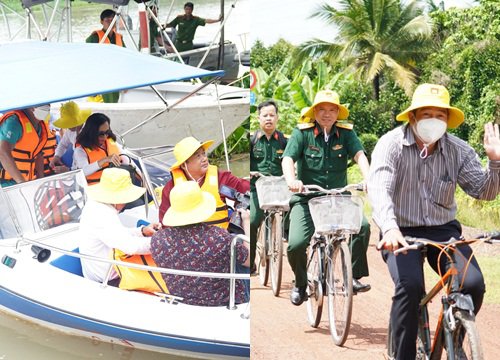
(240, 269)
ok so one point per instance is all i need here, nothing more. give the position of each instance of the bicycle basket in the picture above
(337, 212)
(272, 192)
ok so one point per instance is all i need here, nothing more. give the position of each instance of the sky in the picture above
(290, 20)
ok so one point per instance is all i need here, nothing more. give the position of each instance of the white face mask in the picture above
(42, 111)
(429, 131)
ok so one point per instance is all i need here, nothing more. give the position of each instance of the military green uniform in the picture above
(185, 31)
(265, 157)
(324, 164)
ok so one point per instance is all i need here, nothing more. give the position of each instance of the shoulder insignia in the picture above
(345, 125)
(304, 126)
(280, 151)
(287, 136)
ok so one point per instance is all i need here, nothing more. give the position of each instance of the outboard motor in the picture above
(241, 201)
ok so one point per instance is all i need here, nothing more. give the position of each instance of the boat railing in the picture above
(38, 239)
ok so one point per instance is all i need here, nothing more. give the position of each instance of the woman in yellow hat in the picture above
(72, 120)
(192, 164)
(101, 229)
(414, 173)
(189, 243)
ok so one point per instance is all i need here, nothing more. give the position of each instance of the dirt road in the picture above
(280, 330)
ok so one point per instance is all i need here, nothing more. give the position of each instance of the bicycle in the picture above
(274, 197)
(456, 330)
(336, 216)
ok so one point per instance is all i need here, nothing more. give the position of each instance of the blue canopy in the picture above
(34, 73)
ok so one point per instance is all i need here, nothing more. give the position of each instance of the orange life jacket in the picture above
(118, 38)
(27, 148)
(211, 184)
(49, 150)
(97, 154)
(134, 279)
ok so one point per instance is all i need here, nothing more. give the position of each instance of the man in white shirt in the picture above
(100, 226)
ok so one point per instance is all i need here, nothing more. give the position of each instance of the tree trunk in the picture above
(376, 87)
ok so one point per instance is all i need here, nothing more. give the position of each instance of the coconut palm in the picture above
(375, 37)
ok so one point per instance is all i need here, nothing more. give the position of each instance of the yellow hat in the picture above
(427, 95)
(71, 116)
(331, 97)
(185, 148)
(189, 205)
(115, 187)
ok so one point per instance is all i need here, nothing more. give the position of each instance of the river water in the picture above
(23, 340)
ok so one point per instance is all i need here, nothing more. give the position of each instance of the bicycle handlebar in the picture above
(258, 174)
(315, 188)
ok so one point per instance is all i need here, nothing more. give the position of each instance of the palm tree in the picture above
(375, 37)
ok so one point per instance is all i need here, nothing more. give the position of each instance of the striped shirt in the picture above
(407, 191)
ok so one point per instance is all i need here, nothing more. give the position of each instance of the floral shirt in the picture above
(198, 247)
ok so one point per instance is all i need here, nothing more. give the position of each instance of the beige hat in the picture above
(427, 95)
(71, 116)
(115, 187)
(189, 205)
(331, 97)
(185, 148)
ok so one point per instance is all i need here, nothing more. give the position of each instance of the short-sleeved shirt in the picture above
(198, 247)
(186, 29)
(319, 162)
(266, 155)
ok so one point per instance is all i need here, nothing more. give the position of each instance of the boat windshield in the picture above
(42, 204)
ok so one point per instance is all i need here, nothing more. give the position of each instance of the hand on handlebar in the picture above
(392, 240)
(295, 186)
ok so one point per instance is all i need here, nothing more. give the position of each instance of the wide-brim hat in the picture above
(189, 205)
(331, 97)
(115, 187)
(72, 116)
(430, 95)
(185, 148)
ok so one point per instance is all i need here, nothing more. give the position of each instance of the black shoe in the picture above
(357, 286)
(298, 295)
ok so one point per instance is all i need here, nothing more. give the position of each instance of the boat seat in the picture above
(69, 263)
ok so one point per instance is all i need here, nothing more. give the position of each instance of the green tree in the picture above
(376, 37)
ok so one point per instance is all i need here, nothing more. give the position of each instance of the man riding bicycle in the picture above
(414, 172)
(267, 146)
(321, 150)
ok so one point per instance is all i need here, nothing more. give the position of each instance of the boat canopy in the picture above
(30, 3)
(34, 73)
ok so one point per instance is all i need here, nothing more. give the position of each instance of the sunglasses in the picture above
(105, 133)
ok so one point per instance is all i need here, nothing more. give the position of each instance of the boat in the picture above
(171, 111)
(40, 272)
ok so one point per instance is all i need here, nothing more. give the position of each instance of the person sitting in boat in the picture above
(188, 243)
(186, 27)
(113, 37)
(101, 230)
(71, 120)
(192, 164)
(96, 148)
(22, 138)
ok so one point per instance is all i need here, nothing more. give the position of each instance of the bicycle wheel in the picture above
(276, 258)
(466, 343)
(314, 286)
(261, 254)
(339, 287)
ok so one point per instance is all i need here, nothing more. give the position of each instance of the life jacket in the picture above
(27, 148)
(118, 38)
(97, 154)
(49, 150)
(134, 279)
(211, 184)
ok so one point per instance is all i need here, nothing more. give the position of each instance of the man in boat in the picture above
(22, 138)
(192, 164)
(415, 170)
(113, 37)
(266, 151)
(186, 27)
(320, 150)
(101, 231)
(189, 243)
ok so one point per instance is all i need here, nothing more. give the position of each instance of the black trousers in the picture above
(407, 275)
